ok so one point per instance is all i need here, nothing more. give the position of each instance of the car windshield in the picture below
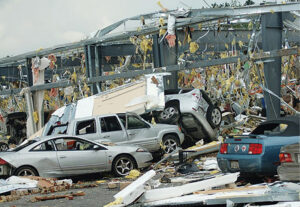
(22, 146)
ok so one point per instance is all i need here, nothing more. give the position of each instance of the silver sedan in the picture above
(62, 156)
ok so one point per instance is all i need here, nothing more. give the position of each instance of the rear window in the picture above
(20, 147)
(270, 129)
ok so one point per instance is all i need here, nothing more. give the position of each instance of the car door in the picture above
(78, 156)
(139, 132)
(44, 158)
(112, 129)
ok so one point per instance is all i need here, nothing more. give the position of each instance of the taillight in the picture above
(255, 149)
(2, 162)
(285, 157)
(179, 128)
(195, 95)
(223, 149)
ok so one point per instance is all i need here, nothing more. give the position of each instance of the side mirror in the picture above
(96, 147)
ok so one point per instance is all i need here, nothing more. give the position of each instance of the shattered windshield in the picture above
(51, 127)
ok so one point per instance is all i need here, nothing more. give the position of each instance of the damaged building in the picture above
(182, 81)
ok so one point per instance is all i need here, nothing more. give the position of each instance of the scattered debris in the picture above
(68, 196)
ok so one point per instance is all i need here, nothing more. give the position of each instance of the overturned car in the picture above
(193, 110)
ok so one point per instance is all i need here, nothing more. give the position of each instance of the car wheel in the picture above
(214, 116)
(26, 171)
(170, 143)
(3, 147)
(123, 164)
(169, 115)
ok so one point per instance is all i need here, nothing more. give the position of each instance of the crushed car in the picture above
(258, 152)
(193, 110)
(61, 155)
(289, 157)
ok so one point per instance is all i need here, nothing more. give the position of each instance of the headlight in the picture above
(141, 150)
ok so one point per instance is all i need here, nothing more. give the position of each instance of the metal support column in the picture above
(29, 72)
(156, 52)
(98, 65)
(90, 65)
(163, 56)
(272, 40)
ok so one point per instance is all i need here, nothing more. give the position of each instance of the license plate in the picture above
(234, 164)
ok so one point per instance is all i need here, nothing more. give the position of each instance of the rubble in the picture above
(68, 196)
(28, 185)
(208, 186)
(185, 176)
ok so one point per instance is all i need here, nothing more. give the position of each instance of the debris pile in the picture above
(15, 187)
(199, 181)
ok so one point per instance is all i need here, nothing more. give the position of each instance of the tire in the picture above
(123, 164)
(26, 171)
(3, 147)
(170, 115)
(214, 116)
(170, 143)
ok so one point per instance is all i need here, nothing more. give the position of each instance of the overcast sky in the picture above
(27, 25)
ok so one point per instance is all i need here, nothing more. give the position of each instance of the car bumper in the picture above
(289, 173)
(246, 164)
(143, 159)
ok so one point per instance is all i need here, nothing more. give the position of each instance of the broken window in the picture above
(109, 124)
(58, 129)
(86, 127)
(70, 144)
(45, 146)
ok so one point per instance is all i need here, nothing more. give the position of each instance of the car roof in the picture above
(103, 115)
(45, 138)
